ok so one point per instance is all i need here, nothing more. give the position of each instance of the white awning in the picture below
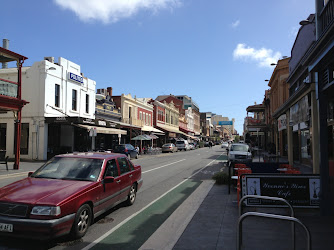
(103, 130)
(170, 129)
(151, 129)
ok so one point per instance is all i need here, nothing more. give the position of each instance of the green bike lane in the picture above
(134, 233)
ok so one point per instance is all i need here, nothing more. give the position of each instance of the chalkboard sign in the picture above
(299, 190)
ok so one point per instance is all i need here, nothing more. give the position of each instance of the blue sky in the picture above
(216, 51)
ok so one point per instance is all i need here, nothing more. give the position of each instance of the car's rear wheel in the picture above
(82, 221)
(132, 195)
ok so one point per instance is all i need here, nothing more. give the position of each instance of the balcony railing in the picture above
(327, 16)
(8, 88)
(255, 122)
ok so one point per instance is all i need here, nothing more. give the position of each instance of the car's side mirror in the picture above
(109, 179)
(30, 173)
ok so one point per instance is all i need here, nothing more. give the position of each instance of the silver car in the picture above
(169, 147)
(239, 153)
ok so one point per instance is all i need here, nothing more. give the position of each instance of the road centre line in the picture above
(162, 166)
(138, 212)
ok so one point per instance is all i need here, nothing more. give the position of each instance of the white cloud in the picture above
(264, 57)
(235, 24)
(113, 10)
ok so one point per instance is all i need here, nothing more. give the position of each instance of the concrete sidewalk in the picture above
(214, 224)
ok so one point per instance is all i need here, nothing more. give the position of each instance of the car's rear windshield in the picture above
(240, 148)
(180, 142)
(65, 168)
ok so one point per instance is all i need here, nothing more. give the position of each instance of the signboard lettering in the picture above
(298, 190)
(74, 77)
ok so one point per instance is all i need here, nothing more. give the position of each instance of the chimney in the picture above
(5, 43)
(109, 91)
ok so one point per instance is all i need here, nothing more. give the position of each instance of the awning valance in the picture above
(170, 129)
(151, 129)
(103, 130)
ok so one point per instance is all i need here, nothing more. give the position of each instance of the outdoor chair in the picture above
(4, 158)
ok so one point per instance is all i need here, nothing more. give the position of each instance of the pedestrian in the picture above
(210, 144)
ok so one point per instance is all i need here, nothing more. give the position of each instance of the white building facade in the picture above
(59, 97)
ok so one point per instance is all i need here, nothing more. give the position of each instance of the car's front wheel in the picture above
(82, 221)
(132, 195)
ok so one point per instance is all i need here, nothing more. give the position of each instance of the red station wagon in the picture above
(66, 194)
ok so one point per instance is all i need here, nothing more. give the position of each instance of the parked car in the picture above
(182, 145)
(169, 147)
(224, 145)
(66, 194)
(126, 149)
(239, 153)
(206, 144)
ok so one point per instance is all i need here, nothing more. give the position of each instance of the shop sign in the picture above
(172, 134)
(88, 121)
(74, 77)
(298, 190)
(281, 122)
(63, 120)
(102, 123)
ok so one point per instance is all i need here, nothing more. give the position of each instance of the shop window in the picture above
(57, 95)
(74, 99)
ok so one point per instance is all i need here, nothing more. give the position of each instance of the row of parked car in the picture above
(178, 146)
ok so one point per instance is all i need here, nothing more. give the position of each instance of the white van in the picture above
(182, 145)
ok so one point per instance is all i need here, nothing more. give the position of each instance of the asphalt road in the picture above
(168, 179)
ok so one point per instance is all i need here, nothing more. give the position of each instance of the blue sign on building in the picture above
(75, 77)
(225, 123)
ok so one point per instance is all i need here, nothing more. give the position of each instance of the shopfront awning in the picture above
(103, 130)
(170, 129)
(151, 129)
(127, 125)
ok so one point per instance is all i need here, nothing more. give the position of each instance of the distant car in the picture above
(126, 149)
(169, 147)
(193, 145)
(241, 141)
(206, 144)
(182, 145)
(66, 194)
(239, 153)
(224, 145)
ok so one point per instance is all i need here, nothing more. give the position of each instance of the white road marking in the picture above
(135, 214)
(162, 166)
